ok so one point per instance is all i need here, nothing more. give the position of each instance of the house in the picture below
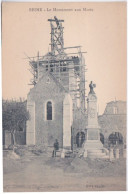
(113, 123)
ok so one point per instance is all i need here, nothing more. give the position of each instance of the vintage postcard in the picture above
(64, 96)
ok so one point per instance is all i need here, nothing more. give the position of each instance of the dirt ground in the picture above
(38, 171)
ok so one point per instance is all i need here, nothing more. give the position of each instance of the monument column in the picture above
(93, 127)
(93, 146)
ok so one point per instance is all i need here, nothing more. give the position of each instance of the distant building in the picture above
(113, 123)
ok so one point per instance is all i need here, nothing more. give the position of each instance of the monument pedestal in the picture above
(93, 147)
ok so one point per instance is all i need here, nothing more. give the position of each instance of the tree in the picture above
(14, 115)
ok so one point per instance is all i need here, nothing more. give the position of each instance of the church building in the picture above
(56, 103)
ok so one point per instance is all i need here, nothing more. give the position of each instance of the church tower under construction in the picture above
(62, 67)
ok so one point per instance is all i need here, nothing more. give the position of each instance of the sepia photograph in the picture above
(64, 81)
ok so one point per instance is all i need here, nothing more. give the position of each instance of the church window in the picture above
(49, 110)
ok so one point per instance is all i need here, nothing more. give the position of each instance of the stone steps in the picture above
(99, 157)
(97, 153)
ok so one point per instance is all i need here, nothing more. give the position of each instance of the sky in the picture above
(100, 28)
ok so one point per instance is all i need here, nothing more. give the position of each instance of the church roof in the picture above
(117, 101)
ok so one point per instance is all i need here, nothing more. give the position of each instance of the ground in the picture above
(35, 170)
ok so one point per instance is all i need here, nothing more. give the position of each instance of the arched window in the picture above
(115, 138)
(49, 110)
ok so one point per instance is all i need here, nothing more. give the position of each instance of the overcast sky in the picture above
(101, 31)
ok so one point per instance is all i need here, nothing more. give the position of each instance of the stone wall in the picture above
(19, 135)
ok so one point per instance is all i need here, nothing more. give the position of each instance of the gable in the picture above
(47, 86)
